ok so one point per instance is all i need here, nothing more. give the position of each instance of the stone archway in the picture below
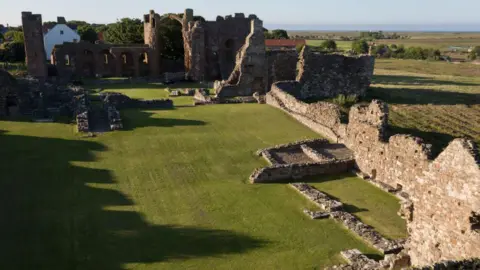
(143, 64)
(127, 64)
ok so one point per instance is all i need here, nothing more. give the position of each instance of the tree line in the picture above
(123, 31)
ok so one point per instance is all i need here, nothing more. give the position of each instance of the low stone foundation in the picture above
(319, 198)
(302, 159)
(281, 173)
(368, 233)
(114, 118)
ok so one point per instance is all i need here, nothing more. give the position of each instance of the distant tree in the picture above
(360, 46)
(280, 34)
(125, 31)
(170, 34)
(77, 23)
(329, 45)
(475, 53)
(14, 52)
(1, 37)
(15, 36)
(393, 47)
(87, 33)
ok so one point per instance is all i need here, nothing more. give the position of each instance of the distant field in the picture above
(341, 45)
(441, 41)
(437, 101)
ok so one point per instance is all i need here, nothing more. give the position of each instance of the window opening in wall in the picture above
(153, 22)
(145, 58)
(374, 174)
(105, 58)
(67, 60)
(475, 221)
(124, 56)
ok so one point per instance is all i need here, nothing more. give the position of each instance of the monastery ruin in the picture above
(440, 197)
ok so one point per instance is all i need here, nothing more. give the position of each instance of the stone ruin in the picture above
(440, 198)
(250, 73)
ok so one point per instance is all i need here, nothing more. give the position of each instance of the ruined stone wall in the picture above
(250, 73)
(446, 199)
(210, 47)
(34, 45)
(322, 117)
(278, 173)
(85, 59)
(151, 26)
(282, 66)
(224, 38)
(8, 88)
(324, 76)
(445, 192)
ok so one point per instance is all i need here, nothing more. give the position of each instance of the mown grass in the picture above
(168, 192)
(433, 100)
(149, 91)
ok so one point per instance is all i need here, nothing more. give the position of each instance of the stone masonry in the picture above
(34, 46)
(250, 73)
(442, 214)
(328, 75)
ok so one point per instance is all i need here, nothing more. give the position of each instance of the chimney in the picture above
(61, 20)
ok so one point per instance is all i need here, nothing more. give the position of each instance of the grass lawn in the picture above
(437, 101)
(169, 192)
(151, 91)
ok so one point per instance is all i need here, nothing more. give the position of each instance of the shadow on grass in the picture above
(54, 218)
(412, 80)
(421, 96)
(439, 141)
(135, 118)
(133, 86)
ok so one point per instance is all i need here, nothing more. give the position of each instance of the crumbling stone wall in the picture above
(211, 46)
(250, 73)
(8, 89)
(328, 75)
(322, 117)
(444, 193)
(34, 45)
(282, 66)
(446, 199)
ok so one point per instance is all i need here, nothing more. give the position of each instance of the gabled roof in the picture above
(284, 42)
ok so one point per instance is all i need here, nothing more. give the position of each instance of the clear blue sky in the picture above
(272, 12)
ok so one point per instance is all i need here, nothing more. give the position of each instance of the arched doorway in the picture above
(88, 68)
(127, 64)
(143, 65)
(229, 58)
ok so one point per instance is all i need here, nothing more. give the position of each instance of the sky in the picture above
(289, 14)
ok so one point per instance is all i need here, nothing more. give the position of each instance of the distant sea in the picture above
(379, 27)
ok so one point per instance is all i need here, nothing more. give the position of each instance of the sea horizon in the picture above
(438, 28)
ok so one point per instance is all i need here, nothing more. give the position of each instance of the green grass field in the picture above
(437, 101)
(341, 45)
(169, 192)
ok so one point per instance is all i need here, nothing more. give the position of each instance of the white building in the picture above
(59, 34)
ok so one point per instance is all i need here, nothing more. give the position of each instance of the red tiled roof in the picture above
(284, 42)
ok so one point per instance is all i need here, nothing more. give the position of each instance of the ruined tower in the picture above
(150, 28)
(36, 59)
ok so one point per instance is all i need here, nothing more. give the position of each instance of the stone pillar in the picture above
(187, 38)
(198, 57)
(36, 58)
(150, 28)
